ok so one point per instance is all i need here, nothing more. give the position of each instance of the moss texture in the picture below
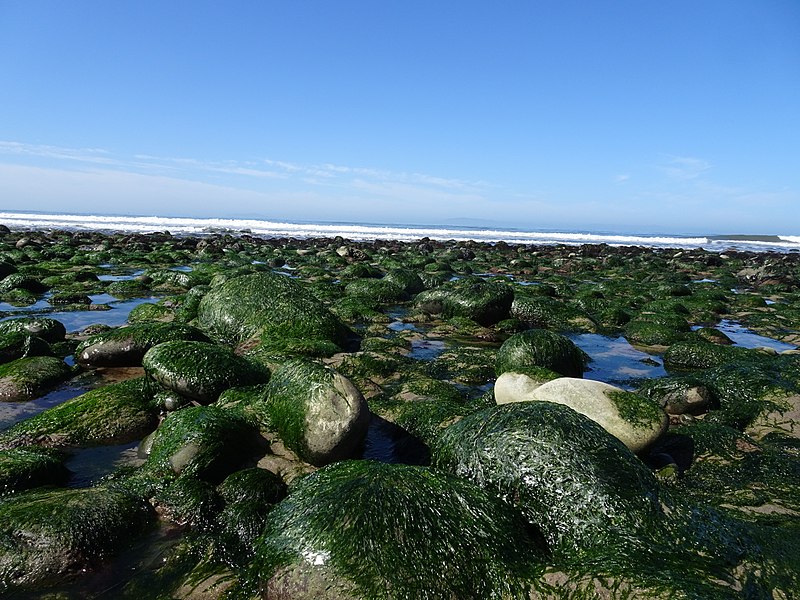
(398, 532)
(268, 306)
(126, 346)
(581, 486)
(199, 370)
(28, 378)
(540, 348)
(49, 535)
(114, 414)
(23, 468)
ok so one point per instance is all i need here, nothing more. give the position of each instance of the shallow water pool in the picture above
(615, 361)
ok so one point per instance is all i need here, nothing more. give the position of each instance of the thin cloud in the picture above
(685, 167)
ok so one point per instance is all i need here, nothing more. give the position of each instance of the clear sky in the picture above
(622, 115)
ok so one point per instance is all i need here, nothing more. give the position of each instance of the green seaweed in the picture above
(636, 409)
(540, 348)
(199, 370)
(27, 378)
(398, 532)
(581, 486)
(50, 535)
(23, 468)
(114, 414)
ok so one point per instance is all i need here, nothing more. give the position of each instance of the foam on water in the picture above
(357, 231)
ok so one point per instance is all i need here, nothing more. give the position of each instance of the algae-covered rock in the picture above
(634, 420)
(406, 279)
(115, 414)
(23, 468)
(484, 302)
(50, 330)
(699, 355)
(126, 346)
(15, 344)
(381, 291)
(199, 370)
(248, 496)
(677, 395)
(316, 411)
(203, 442)
(362, 529)
(518, 387)
(580, 485)
(540, 348)
(49, 535)
(20, 281)
(270, 307)
(28, 378)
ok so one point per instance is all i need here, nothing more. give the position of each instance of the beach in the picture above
(350, 410)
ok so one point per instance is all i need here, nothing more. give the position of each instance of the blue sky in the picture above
(622, 115)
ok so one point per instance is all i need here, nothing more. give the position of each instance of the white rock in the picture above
(514, 387)
(636, 421)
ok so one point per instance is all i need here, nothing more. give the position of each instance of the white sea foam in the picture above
(356, 231)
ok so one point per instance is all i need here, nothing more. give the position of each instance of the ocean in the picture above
(377, 231)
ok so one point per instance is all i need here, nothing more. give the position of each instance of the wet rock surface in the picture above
(248, 484)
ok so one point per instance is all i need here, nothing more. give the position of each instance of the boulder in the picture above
(274, 309)
(126, 346)
(364, 529)
(200, 371)
(50, 330)
(48, 535)
(484, 302)
(16, 344)
(573, 480)
(540, 348)
(316, 411)
(23, 468)
(634, 420)
(115, 414)
(248, 496)
(28, 378)
(518, 387)
(200, 442)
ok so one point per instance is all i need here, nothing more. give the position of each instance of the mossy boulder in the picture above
(126, 346)
(23, 468)
(28, 378)
(678, 395)
(248, 496)
(408, 280)
(634, 420)
(363, 529)
(20, 281)
(550, 313)
(485, 302)
(381, 291)
(699, 355)
(16, 344)
(647, 333)
(50, 330)
(115, 414)
(50, 535)
(200, 442)
(540, 348)
(272, 308)
(580, 485)
(199, 370)
(316, 411)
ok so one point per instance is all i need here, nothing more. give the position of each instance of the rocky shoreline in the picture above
(323, 418)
